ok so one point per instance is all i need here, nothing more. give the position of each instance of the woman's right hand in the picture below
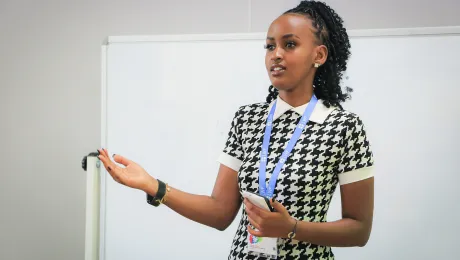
(132, 175)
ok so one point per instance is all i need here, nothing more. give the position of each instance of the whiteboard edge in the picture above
(104, 50)
(416, 31)
(261, 35)
(92, 209)
(186, 37)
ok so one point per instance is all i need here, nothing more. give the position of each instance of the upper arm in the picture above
(226, 189)
(226, 192)
(358, 202)
(356, 175)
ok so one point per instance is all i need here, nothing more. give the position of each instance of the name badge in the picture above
(262, 246)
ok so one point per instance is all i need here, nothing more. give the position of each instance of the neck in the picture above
(297, 96)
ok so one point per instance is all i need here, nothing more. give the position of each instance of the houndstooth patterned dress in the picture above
(333, 149)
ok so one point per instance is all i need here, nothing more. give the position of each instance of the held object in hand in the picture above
(259, 201)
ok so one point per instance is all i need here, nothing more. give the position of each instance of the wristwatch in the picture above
(159, 198)
(292, 234)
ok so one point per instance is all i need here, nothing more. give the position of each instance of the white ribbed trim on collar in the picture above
(319, 115)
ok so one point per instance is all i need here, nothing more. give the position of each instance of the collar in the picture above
(319, 114)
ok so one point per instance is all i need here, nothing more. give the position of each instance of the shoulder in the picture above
(244, 112)
(253, 107)
(347, 119)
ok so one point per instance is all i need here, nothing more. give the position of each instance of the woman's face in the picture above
(292, 51)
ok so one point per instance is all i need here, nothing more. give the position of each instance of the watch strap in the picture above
(158, 198)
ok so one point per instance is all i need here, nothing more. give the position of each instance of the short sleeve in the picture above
(357, 160)
(232, 154)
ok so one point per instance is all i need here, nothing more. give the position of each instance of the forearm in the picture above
(345, 232)
(199, 208)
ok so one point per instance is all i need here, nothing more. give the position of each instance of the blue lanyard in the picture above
(263, 190)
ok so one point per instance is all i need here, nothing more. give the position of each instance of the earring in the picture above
(317, 65)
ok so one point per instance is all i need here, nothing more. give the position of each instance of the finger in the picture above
(121, 160)
(107, 163)
(255, 212)
(106, 154)
(103, 158)
(103, 152)
(247, 203)
(251, 206)
(107, 160)
(254, 217)
(255, 232)
(278, 207)
(112, 164)
(260, 212)
(254, 224)
(111, 167)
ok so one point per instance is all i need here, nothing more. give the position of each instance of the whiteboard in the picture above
(168, 102)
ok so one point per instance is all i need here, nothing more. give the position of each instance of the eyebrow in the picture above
(284, 36)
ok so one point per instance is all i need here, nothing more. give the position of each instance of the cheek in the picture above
(267, 62)
(300, 64)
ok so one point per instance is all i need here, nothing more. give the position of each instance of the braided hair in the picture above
(331, 33)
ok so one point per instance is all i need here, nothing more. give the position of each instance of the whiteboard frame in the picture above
(92, 207)
(453, 30)
(393, 32)
(103, 182)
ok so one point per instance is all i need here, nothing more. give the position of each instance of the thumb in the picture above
(122, 160)
(278, 207)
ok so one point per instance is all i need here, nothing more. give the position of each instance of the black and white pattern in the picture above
(330, 151)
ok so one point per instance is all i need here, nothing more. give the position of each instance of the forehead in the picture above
(297, 24)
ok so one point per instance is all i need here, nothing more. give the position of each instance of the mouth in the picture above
(277, 70)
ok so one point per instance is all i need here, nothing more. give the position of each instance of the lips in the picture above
(277, 70)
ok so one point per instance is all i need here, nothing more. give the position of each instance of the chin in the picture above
(282, 85)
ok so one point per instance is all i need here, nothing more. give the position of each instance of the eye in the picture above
(269, 47)
(290, 44)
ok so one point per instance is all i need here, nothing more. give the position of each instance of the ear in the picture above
(321, 53)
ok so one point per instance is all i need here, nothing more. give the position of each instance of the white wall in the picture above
(50, 93)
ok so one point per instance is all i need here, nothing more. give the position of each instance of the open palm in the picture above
(132, 175)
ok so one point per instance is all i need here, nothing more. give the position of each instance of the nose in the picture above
(277, 55)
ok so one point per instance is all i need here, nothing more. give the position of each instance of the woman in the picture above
(307, 50)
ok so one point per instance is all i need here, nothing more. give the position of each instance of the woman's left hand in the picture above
(269, 224)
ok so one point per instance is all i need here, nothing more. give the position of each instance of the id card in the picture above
(262, 246)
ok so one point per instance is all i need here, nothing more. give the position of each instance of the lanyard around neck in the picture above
(263, 189)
